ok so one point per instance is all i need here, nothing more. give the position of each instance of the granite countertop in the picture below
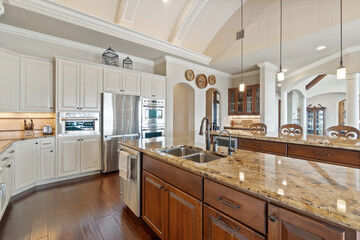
(305, 139)
(6, 141)
(327, 191)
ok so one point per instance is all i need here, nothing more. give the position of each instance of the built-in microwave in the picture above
(78, 123)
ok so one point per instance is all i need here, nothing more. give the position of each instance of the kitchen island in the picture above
(318, 193)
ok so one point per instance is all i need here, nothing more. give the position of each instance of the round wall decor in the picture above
(189, 75)
(201, 81)
(212, 80)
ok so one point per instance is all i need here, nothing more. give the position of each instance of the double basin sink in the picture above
(191, 154)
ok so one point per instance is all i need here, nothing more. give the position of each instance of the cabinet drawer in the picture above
(244, 208)
(47, 143)
(333, 155)
(263, 146)
(219, 226)
(188, 182)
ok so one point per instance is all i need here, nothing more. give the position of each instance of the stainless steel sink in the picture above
(181, 151)
(201, 157)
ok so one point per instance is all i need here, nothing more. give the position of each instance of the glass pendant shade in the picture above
(341, 73)
(242, 87)
(281, 76)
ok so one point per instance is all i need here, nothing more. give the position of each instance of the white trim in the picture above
(64, 42)
(63, 13)
(268, 65)
(246, 74)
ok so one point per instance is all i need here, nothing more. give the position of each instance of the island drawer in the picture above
(244, 208)
(188, 182)
(333, 155)
(263, 146)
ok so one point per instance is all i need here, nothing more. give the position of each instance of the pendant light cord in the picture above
(341, 33)
(281, 16)
(242, 43)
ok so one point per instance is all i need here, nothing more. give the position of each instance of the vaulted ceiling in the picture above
(209, 27)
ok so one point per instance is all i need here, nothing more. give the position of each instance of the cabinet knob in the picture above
(272, 218)
(51, 150)
(164, 189)
(36, 143)
(51, 107)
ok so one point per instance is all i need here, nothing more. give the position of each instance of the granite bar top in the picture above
(305, 139)
(327, 191)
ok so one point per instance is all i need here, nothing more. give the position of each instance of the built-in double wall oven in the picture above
(70, 123)
(153, 118)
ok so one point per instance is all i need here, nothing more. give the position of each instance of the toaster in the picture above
(48, 130)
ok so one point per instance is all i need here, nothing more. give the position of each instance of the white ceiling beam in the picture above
(126, 12)
(191, 11)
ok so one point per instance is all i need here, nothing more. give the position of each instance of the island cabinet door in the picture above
(217, 226)
(285, 225)
(185, 216)
(155, 203)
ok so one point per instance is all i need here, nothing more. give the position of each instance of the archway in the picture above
(183, 112)
(213, 108)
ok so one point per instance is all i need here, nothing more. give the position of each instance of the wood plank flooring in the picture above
(87, 208)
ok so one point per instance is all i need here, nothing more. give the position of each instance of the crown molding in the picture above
(268, 65)
(64, 42)
(63, 13)
(246, 74)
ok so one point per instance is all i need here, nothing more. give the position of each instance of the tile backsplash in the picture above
(243, 122)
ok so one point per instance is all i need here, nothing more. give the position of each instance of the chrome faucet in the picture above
(207, 137)
(216, 144)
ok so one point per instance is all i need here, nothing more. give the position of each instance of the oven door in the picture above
(153, 117)
(150, 133)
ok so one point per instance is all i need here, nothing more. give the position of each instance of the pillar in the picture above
(284, 115)
(352, 100)
(304, 115)
(268, 113)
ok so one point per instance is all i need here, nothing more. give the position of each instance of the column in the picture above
(352, 100)
(284, 115)
(268, 113)
(304, 115)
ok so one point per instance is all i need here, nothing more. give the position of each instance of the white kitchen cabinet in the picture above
(36, 85)
(26, 159)
(90, 86)
(113, 80)
(131, 83)
(10, 174)
(152, 86)
(47, 163)
(90, 153)
(68, 75)
(68, 156)
(9, 82)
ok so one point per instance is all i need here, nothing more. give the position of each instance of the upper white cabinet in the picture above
(36, 85)
(9, 82)
(152, 86)
(121, 81)
(78, 86)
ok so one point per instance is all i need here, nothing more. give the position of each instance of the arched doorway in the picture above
(213, 109)
(184, 112)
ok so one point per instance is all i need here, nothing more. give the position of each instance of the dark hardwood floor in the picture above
(87, 208)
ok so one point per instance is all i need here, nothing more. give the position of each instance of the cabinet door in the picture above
(159, 87)
(68, 85)
(185, 216)
(36, 85)
(147, 86)
(47, 164)
(232, 101)
(26, 159)
(113, 80)
(90, 86)
(10, 172)
(218, 226)
(285, 225)
(9, 82)
(131, 83)
(90, 153)
(68, 156)
(154, 204)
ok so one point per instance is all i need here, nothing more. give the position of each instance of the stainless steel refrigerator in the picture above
(120, 120)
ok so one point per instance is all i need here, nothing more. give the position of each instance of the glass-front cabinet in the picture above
(316, 120)
(244, 103)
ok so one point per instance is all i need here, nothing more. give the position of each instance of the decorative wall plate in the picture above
(212, 80)
(189, 75)
(201, 81)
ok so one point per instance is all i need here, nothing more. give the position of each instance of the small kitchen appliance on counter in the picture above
(47, 130)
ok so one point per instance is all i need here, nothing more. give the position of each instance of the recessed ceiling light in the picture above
(319, 48)
(279, 85)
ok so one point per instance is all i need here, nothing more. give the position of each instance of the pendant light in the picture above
(281, 73)
(341, 71)
(242, 85)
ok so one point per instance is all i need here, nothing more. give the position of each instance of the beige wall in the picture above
(248, 80)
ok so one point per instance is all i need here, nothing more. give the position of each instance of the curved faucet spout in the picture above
(207, 137)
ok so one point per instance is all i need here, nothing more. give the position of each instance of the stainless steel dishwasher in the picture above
(130, 187)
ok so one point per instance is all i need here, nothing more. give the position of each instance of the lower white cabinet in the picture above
(26, 160)
(78, 155)
(47, 159)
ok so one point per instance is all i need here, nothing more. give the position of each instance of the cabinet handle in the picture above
(161, 187)
(154, 95)
(164, 189)
(12, 151)
(218, 219)
(79, 140)
(36, 143)
(5, 159)
(259, 145)
(220, 199)
(272, 218)
(8, 166)
(322, 154)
